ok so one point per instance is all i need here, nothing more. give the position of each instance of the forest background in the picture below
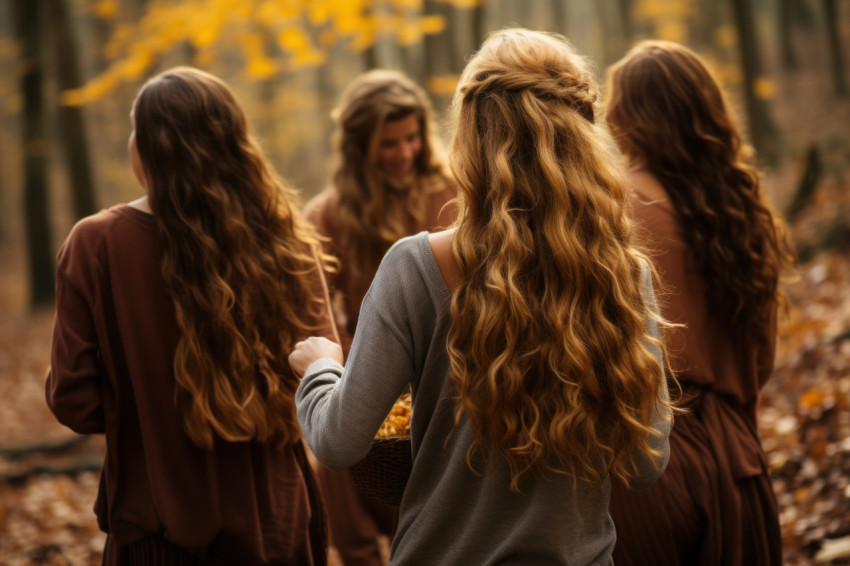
(69, 70)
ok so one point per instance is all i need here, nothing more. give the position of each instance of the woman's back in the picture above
(702, 216)
(449, 514)
(539, 375)
(704, 351)
(112, 302)
(174, 317)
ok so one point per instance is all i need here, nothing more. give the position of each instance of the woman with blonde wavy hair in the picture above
(174, 318)
(719, 249)
(391, 182)
(527, 333)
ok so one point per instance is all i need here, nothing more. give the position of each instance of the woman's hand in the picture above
(308, 351)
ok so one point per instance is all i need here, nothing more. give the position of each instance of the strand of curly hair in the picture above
(550, 352)
(237, 260)
(662, 91)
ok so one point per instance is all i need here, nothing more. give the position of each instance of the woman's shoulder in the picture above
(438, 182)
(321, 209)
(87, 242)
(323, 199)
(102, 224)
(650, 205)
(406, 250)
(647, 189)
(406, 259)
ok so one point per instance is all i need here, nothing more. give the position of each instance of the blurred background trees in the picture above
(71, 68)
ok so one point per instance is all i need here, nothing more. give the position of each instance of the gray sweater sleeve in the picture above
(650, 469)
(341, 409)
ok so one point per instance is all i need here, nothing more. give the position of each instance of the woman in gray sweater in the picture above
(527, 333)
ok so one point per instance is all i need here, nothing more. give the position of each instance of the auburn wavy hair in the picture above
(668, 114)
(238, 261)
(552, 357)
(369, 221)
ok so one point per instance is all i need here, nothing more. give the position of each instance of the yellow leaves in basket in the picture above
(397, 422)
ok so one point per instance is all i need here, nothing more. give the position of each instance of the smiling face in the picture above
(399, 146)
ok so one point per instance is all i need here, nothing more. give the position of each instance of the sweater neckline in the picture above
(134, 214)
(435, 277)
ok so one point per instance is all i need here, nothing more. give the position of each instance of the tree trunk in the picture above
(370, 56)
(102, 31)
(479, 27)
(28, 31)
(789, 58)
(75, 142)
(836, 60)
(762, 132)
(626, 27)
(613, 45)
(441, 57)
(559, 13)
(440, 50)
(806, 185)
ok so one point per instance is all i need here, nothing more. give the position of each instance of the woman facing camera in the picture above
(391, 182)
(174, 318)
(526, 333)
(719, 250)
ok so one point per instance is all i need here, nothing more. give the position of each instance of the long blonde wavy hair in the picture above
(669, 114)
(237, 260)
(551, 356)
(369, 220)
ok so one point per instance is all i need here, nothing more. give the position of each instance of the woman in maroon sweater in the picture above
(174, 318)
(719, 250)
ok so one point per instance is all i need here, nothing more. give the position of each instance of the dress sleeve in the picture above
(341, 409)
(649, 469)
(74, 380)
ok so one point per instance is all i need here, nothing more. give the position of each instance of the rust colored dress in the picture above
(715, 504)
(356, 521)
(162, 499)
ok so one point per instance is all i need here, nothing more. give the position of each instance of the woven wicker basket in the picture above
(383, 473)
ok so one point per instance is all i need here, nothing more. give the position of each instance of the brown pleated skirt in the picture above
(711, 507)
(153, 550)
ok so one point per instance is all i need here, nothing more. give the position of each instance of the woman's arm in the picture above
(341, 409)
(74, 379)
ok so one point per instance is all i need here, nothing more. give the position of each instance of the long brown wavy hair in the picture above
(551, 355)
(369, 220)
(669, 115)
(237, 260)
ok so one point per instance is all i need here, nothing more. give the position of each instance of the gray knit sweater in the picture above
(449, 514)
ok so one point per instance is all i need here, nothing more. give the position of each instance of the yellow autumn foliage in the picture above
(669, 18)
(764, 88)
(443, 84)
(725, 36)
(106, 9)
(303, 29)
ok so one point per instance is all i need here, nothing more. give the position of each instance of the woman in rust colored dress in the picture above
(175, 315)
(720, 251)
(391, 182)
